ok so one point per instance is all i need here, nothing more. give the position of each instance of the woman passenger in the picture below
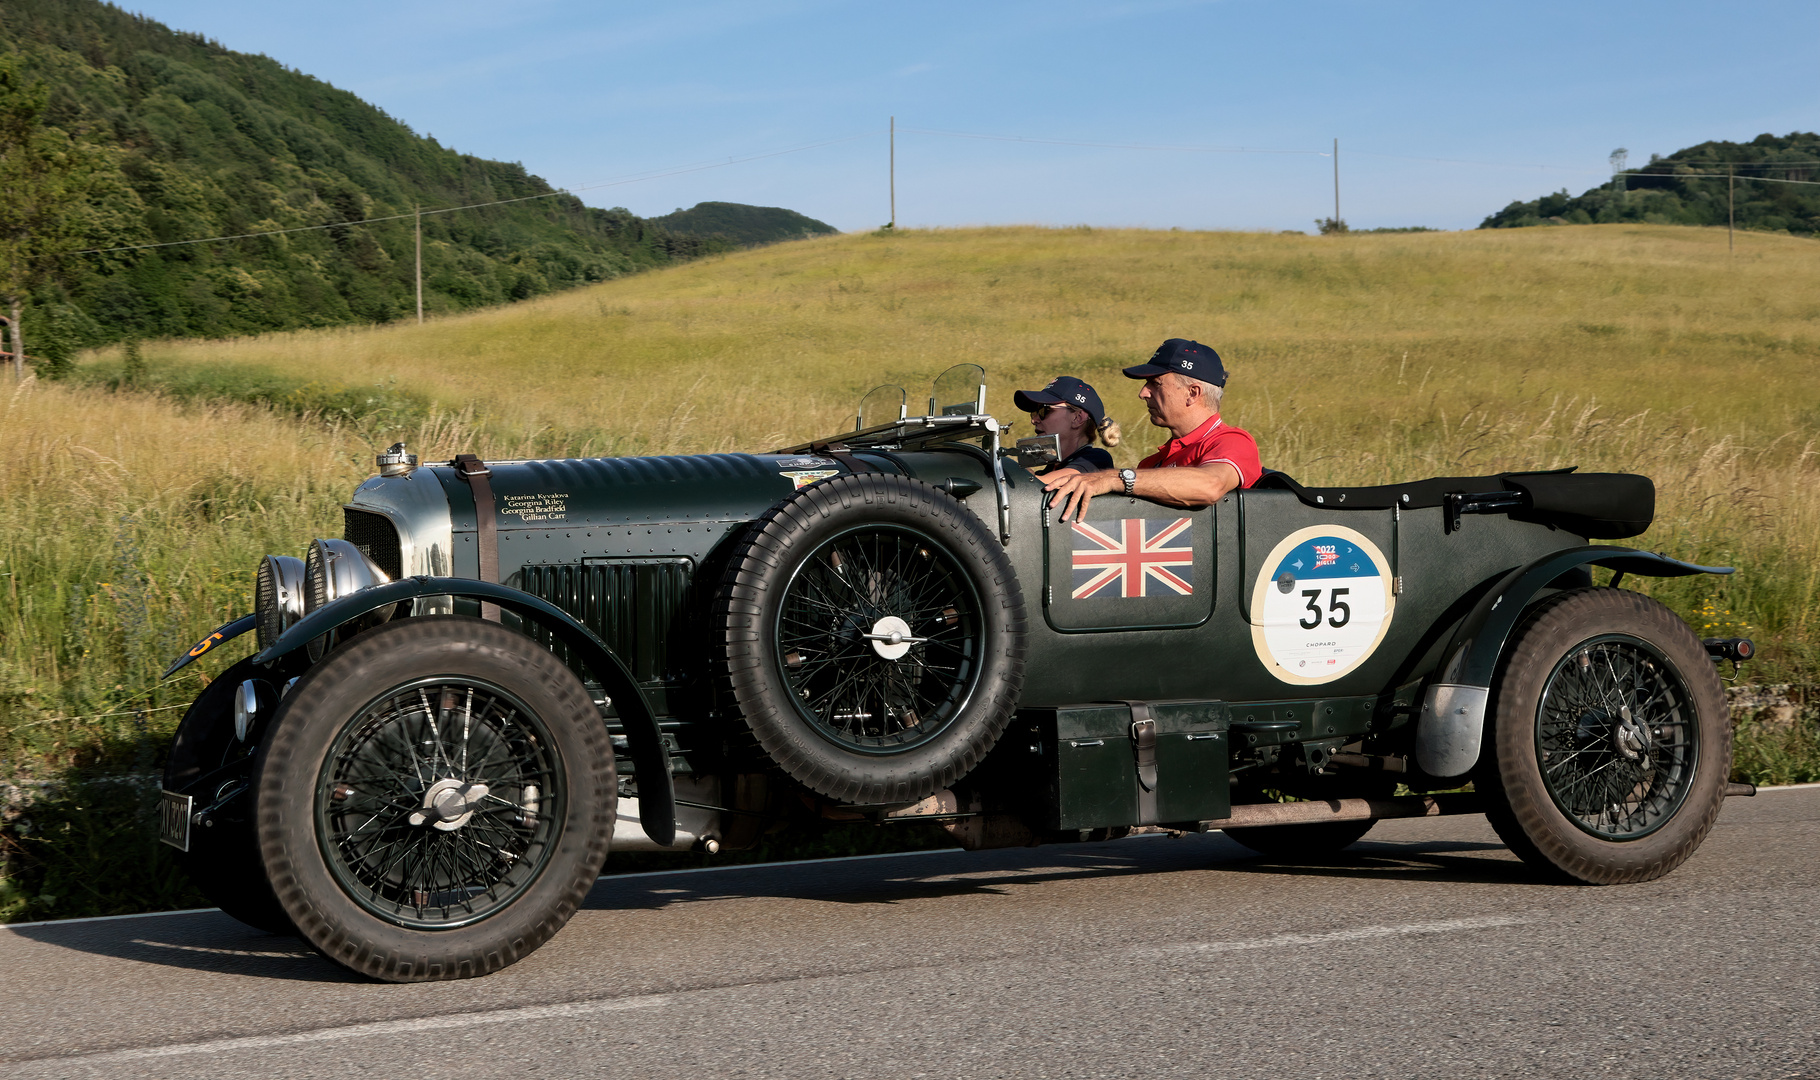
(1070, 409)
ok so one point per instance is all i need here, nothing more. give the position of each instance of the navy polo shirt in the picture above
(1085, 460)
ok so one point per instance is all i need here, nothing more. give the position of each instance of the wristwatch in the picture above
(1130, 478)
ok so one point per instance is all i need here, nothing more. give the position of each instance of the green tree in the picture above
(44, 178)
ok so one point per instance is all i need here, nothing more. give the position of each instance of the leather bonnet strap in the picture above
(486, 530)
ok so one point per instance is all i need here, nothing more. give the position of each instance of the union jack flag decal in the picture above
(1134, 557)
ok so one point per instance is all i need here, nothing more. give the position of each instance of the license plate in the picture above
(174, 819)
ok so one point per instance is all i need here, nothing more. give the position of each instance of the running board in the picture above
(1255, 815)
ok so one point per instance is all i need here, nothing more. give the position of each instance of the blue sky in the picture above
(585, 93)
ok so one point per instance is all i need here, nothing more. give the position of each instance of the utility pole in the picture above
(1336, 183)
(894, 174)
(1731, 215)
(419, 211)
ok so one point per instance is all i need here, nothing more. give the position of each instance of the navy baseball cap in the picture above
(1066, 390)
(1184, 357)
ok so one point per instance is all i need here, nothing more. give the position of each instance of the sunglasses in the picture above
(1043, 410)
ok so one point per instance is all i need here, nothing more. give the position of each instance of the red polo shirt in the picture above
(1212, 441)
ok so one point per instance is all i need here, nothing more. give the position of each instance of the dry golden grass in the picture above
(1350, 333)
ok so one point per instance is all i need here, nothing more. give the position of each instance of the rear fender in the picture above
(1451, 726)
(656, 795)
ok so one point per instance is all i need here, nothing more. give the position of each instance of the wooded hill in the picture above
(744, 225)
(1688, 187)
(201, 141)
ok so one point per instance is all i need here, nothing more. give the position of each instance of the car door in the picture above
(1132, 565)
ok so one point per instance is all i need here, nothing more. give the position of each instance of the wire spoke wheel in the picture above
(874, 638)
(436, 806)
(1615, 738)
(1609, 740)
(436, 798)
(878, 639)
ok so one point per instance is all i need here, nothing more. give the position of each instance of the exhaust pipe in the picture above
(1254, 815)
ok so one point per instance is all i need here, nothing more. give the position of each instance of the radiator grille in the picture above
(374, 536)
(636, 606)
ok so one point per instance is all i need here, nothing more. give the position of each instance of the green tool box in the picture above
(1110, 764)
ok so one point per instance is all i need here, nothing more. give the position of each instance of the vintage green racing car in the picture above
(504, 670)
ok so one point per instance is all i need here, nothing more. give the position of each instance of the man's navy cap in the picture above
(1067, 390)
(1184, 357)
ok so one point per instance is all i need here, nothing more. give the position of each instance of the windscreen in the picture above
(881, 405)
(959, 391)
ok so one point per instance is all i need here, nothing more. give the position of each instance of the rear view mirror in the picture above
(1039, 450)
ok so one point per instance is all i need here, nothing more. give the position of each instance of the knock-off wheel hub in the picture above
(1631, 738)
(891, 637)
(448, 804)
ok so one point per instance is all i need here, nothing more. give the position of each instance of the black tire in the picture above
(1293, 841)
(1609, 746)
(364, 821)
(223, 859)
(826, 705)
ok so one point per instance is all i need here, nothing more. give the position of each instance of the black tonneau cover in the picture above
(1598, 506)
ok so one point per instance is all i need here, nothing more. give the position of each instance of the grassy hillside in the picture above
(1342, 342)
(201, 141)
(130, 521)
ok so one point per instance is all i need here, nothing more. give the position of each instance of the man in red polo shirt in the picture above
(1183, 384)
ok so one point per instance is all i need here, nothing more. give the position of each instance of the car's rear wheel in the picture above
(1610, 746)
(435, 799)
(873, 631)
(212, 764)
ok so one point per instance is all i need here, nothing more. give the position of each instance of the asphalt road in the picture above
(1426, 950)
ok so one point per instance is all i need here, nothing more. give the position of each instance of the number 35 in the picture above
(1340, 609)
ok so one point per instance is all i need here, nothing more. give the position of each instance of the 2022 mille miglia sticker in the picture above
(1322, 604)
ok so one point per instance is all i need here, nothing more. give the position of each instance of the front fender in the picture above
(227, 632)
(1451, 726)
(656, 795)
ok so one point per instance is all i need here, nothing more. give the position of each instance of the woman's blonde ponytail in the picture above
(1109, 431)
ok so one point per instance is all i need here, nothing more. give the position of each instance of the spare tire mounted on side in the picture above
(874, 635)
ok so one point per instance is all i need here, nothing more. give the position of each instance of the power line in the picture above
(1229, 150)
(1715, 176)
(633, 178)
(1484, 164)
(679, 170)
(1740, 164)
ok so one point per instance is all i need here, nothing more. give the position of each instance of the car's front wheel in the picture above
(435, 800)
(1610, 744)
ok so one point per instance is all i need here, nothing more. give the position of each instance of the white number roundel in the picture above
(1321, 605)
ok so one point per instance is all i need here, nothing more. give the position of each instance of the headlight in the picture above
(277, 597)
(334, 569)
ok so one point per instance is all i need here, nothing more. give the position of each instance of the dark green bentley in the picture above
(504, 670)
